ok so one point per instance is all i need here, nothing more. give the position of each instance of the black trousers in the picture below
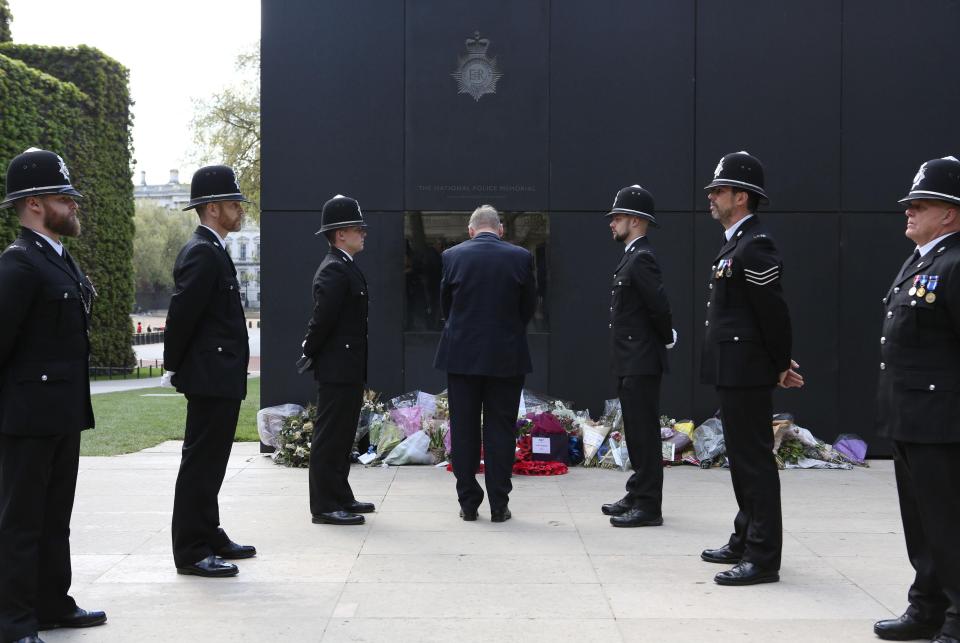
(335, 427)
(758, 528)
(38, 478)
(498, 399)
(640, 403)
(928, 483)
(207, 441)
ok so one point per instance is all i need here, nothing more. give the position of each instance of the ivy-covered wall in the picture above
(76, 102)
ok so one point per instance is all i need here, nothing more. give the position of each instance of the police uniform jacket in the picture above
(640, 320)
(919, 386)
(44, 342)
(748, 334)
(487, 297)
(205, 340)
(336, 337)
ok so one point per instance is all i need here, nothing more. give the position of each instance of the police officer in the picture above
(335, 348)
(44, 399)
(207, 352)
(641, 332)
(919, 402)
(746, 352)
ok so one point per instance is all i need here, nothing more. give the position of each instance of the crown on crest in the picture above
(477, 45)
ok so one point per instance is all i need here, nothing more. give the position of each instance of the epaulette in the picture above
(18, 244)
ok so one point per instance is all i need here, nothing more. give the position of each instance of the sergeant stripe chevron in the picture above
(762, 277)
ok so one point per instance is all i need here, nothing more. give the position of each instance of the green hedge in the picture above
(76, 102)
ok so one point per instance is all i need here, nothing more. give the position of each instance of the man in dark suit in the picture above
(335, 348)
(746, 352)
(44, 399)
(487, 297)
(919, 403)
(641, 332)
(206, 352)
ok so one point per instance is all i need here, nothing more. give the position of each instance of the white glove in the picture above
(674, 342)
(165, 378)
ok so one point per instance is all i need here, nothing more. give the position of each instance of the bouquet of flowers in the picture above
(371, 417)
(293, 440)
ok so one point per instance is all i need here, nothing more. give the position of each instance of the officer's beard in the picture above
(67, 225)
(620, 237)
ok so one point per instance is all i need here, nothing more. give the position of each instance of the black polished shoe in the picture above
(79, 618)
(637, 518)
(500, 515)
(468, 515)
(337, 518)
(33, 638)
(724, 555)
(746, 573)
(210, 567)
(233, 551)
(945, 638)
(616, 508)
(905, 628)
(359, 507)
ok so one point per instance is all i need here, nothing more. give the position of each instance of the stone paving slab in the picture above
(416, 572)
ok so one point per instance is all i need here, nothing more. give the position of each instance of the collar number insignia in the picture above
(477, 74)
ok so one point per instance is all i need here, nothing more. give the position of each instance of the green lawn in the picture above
(129, 421)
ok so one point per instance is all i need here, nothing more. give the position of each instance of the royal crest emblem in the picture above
(477, 74)
(921, 174)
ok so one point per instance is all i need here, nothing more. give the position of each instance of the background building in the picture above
(590, 97)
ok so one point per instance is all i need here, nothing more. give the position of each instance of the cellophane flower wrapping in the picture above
(293, 440)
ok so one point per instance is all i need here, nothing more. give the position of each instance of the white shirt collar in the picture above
(927, 247)
(630, 245)
(53, 244)
(223, 244)
(732, 229)
(345, 253)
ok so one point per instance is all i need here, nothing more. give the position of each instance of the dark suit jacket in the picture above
(336, 337)
(205, 340)
(487, 297)
(748, 333)
(44, 341)
(640, 320)
(919, 387)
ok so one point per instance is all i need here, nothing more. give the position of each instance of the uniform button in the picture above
(611, 309)
(710, 286)
(884, 300)
(231, 287)
(933, 387)
(65, 295)
(219, 349)
(713, 267)
(913, 303)
(736, 339)
(883, 340)
(890, 313)
(706, 323)
(619, 283)
(708, 304)
(43, 378)
(896, 290)
(610, 325)
(629, 336)
(347, 345)
(613, 292)
(883, 366)
(361, 292)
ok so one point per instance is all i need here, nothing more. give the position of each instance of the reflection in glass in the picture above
(427, 235)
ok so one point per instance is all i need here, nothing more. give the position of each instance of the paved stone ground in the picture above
(416, 572)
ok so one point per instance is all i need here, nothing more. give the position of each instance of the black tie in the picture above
(912, 260)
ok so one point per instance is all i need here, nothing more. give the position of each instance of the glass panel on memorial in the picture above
(428, 234)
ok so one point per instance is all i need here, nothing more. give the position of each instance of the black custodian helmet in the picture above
(340, 212)
(214, 183)
(936, 179)
(37, 172)
(740, 170)
(635, 201)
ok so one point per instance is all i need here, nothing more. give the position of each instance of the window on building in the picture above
(428, 234)
(243, 251)
(256, 249)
